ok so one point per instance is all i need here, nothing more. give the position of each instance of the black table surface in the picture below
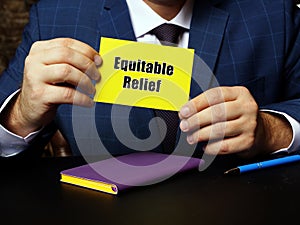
(31, 193)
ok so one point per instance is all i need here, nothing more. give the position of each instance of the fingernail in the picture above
(185, 111)
(184, 125)
(98, 60)
(190, 139)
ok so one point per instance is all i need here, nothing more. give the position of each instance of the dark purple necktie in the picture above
(168, 34)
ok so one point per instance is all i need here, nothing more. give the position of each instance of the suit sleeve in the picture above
(11, 81)
(290, 93)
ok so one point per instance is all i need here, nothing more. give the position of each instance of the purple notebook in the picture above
(137, 169)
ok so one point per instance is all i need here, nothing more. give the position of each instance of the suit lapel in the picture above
(206, 34)
(115, 20)
(207, 31)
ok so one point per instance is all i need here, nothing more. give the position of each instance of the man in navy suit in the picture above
(252, 47)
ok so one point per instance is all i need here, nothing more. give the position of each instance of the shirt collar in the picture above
(144, 19)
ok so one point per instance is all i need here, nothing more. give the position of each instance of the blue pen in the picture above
(264, 164)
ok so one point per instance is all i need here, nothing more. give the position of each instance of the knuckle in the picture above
(87, 66)
(29, 67)
(36, 45)
(64, 71)
(219, 130)
(195, 122)
(214, 96)
(242, 90)
(218, 113)
(251, 105)
(68, 94)
(65, 54)
(224, 148)
(66, 42)
(28, 61)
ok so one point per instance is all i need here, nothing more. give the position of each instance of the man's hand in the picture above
(58, 71)
(229, 118)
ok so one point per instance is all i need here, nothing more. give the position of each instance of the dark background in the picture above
(13, 16)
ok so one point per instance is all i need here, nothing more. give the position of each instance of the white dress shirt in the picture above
(144, 19)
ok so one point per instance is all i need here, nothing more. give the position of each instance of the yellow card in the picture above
(144, 75)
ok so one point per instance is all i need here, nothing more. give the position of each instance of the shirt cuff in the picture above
(295, 143)
(12, 144)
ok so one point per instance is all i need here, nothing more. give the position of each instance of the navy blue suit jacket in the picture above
(244, 42)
